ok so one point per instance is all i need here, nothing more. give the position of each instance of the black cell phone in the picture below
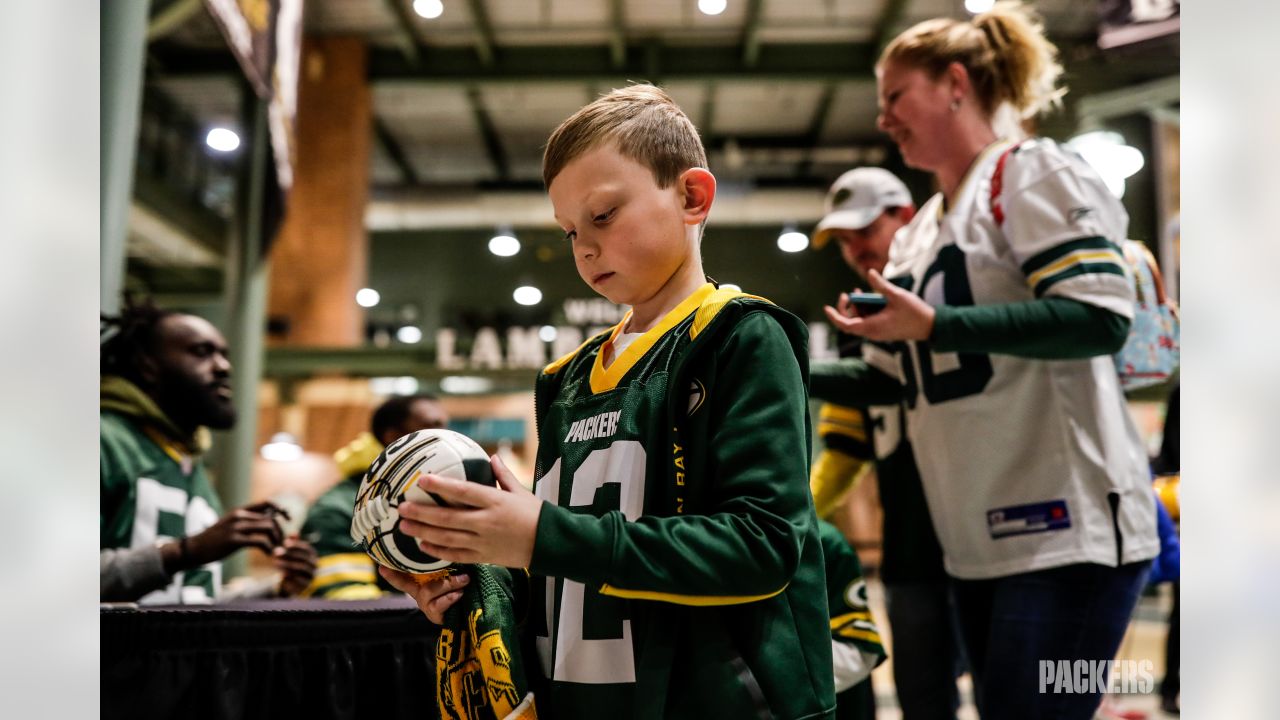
(867, 303)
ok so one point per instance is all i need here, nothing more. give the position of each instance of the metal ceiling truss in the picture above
(819, 121)
(617, 32)
(485, 42)
(641, 60)
(397, 154)
(751, 32)
(406, 36)
(886, 26)
(489, 133)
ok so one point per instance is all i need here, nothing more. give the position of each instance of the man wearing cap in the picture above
(865, 207)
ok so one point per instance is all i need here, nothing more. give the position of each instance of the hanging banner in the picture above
(283, 110)
(247, 26)
(265, 36)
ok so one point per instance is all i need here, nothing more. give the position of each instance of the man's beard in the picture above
(221, 415)
(190, 405)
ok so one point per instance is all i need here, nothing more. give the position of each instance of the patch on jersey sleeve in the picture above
(1083, 256)
(1026, 519)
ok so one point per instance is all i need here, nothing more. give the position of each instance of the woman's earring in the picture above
(955, 105)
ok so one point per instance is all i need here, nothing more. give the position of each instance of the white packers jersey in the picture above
(1027, 464)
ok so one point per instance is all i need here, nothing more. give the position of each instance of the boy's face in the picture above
(629, 236)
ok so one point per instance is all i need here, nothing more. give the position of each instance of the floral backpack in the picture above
(1150, 354)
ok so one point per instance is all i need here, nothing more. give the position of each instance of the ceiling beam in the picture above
(1100, 106)
(485, 42)
(643, 61)
(406, 35)
(582, 63)
(392, 147)
(489, 133)
(368, 361)
(454, 209)
(889, 18)
(818, 122)
(706, 127)
(617, 32)
(751, 32)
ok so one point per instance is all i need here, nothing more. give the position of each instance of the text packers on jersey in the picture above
(597, 426)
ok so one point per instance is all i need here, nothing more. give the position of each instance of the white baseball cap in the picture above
(857, 198)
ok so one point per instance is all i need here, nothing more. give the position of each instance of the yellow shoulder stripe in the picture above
(834, 419)
(849, 617)
(354, 592)
(712, 305)
(857, 625)
(352, 558)
(561, 362)
(856, 634)
(696, 600)
(1075, 258)
(353, 576)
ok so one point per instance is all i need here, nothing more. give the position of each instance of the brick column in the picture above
(320, 258)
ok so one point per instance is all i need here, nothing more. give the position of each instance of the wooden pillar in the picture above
(320, 258)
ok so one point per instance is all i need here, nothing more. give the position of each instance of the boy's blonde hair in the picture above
(1004, 50)
(643, 122)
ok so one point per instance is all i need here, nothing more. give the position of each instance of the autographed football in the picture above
(393, 479)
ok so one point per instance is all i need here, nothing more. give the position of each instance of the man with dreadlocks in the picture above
(165, 378)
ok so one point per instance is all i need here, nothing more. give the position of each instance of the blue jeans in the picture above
(1010, 624)
(925, 649)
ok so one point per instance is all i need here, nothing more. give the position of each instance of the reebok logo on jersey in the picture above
(597, 426)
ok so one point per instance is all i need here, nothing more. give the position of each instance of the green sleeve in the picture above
(1051, 328)
(746, 545)
(328, 529)
(118, 462)
(852, 382)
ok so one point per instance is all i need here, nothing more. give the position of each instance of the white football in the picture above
(393, 478)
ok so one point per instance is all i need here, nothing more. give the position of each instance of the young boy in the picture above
(672, 545)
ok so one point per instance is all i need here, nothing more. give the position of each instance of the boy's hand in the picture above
(904, 317)
(434, 596)
(484, 524)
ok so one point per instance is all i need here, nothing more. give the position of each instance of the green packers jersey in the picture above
(152, 492)
(343, 570)
(851, 621)
(677, 570)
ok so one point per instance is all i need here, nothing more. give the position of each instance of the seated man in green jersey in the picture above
(673, 552)
(344, 572)
(165, 380)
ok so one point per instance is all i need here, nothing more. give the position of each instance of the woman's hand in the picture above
(904, 317)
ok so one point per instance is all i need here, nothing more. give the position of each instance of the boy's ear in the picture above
(697, 191)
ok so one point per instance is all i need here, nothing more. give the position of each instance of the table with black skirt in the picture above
(312, 659)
